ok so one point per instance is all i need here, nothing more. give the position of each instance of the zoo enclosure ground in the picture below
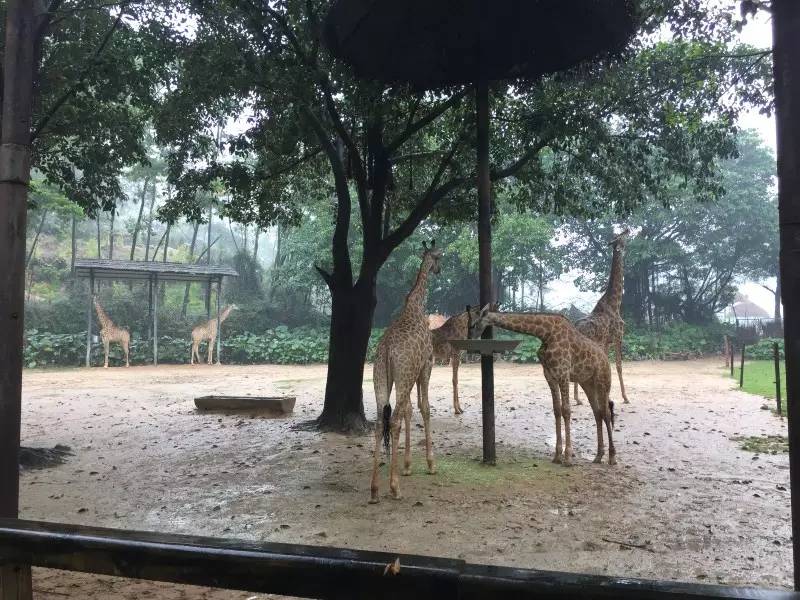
(701, 508)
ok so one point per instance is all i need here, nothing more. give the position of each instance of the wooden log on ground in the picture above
(282, 405)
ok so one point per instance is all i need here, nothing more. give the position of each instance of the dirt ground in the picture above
(701, 508)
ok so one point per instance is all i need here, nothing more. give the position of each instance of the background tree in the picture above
(626, 129)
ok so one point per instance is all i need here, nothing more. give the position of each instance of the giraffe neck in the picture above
(224, 315)
(613, 295)
(540, 325)
(105, 321)
(417, 298)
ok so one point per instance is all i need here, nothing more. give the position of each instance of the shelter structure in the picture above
(434, 44)
(95, 269)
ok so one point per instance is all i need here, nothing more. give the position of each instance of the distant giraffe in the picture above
(208, 331)
(604, 324)
(455, 328)
(566, 355)
(111, 333)
(403, 358)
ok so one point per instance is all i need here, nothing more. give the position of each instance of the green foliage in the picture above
(764, 350)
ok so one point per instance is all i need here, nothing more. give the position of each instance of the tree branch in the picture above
(434, 114)
(72, 90)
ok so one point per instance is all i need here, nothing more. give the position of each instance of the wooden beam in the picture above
(318, 571)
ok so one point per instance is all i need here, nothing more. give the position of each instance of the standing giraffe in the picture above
(111, 333)
(604, 324)
(403, 358)
(566, 355)
(455, 328)
(208, 331)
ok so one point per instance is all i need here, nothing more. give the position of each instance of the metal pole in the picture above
(741, 368)
(154, 301)
(786, 70)
(732, 358)
(89, 320)
(219, 325)
(19, 65)
(485, 263)
(777, 355)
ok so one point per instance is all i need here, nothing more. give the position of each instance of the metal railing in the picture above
(314, 571)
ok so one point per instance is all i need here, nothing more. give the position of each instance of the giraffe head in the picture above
(479, 319)
(619, 240)
(431, 257)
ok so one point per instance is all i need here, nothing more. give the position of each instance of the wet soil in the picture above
(685, 502)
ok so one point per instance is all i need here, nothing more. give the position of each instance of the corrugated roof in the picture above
(138, 269)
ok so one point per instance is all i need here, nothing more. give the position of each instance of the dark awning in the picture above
(431, 43)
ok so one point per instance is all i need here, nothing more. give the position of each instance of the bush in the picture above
(304, 345)
(763, 350)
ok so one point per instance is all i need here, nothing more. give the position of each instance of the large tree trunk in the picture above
(777, 314)
(351, 323)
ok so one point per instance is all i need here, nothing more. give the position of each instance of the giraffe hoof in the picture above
(612, 460)
(407, 471)
(626, 401)
(557, 459)
(432, 470)
(598, 459)
(374, 500)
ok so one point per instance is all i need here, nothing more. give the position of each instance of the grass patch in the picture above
(471, 471)
(759, 378)
(764, 444)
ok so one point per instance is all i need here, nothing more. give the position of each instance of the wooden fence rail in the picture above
(314, 571)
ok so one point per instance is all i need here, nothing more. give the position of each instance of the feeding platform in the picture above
(279, 405)
(485, 347)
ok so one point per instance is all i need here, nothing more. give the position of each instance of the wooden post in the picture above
(777, 355)
(741, 368)
(786, 70)
(485, 264)
(89, 319)
(219, 325)
(732, 357)
(154, 301)
(18, 68)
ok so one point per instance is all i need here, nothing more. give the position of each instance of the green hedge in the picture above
(763, 350)
(310, 345)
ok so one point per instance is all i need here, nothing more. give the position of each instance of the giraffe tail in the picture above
(611, 410)
(387, 415)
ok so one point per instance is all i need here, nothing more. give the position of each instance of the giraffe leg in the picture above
(195, 352)
(373, 488)
(106, 344)
(567, 416)
(127, 347)
(612, 452)
(618, 353)
(211, 351)
(554, 391)
(403, 399)
(425, 409)
(455, 360)
(576, 394)
(591, 395)
(407, 449)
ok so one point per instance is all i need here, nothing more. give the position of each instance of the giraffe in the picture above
(566, 355)
(404, 357)
(208, 331)
(455, 328)
(604, 324)
(111, 333)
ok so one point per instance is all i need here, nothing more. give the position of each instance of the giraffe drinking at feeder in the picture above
(566, 355)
